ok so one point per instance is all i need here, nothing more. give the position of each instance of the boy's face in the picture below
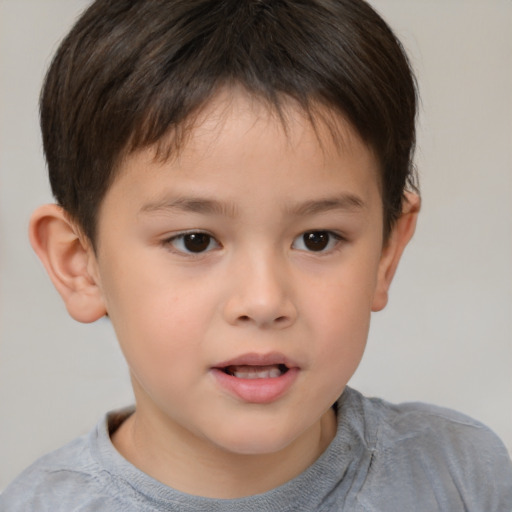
(240, 276)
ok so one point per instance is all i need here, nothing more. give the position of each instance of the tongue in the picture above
(255, 372)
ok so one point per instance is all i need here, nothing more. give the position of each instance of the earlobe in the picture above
(392, 252)
(69, 259)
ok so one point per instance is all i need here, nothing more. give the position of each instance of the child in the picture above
(235, 190)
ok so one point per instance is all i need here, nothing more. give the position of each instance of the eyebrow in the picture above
(191, 204)
(346, 202)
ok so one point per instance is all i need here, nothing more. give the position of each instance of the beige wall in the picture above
(446, 336)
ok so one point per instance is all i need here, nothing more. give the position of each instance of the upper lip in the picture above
(255, 359)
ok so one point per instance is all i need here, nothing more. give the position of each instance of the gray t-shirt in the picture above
(385, 458)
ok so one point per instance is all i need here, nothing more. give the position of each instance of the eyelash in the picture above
(206, 242)
(181, 239)
(332, 242)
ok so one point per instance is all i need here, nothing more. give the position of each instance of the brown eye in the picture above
(316, 241)
(193, 243)
(196, 242)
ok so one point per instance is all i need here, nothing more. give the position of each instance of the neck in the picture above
(178, 459)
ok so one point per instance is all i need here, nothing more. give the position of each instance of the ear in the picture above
(401, 234)
(69, 260)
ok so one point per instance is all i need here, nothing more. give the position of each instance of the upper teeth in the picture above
(252, 372)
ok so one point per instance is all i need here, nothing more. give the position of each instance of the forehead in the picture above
(238, 142)
(233, 104)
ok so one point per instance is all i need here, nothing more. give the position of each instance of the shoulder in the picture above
(38, 487)
(437, 451)
(438, 429)
(422, 424)
(69, 478)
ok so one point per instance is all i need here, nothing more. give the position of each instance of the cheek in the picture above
(162, 322)
(344, 331)
(158, 345)
(345, 291)
(340, 310)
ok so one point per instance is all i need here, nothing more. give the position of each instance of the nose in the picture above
(260, 294)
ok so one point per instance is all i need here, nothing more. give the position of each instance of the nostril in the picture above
(278, 320)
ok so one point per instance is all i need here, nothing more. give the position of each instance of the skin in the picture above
(257, 288)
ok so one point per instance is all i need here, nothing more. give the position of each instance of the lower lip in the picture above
(257, 391)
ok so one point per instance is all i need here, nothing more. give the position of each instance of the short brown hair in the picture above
(130, 71)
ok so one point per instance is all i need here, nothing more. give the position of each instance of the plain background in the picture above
(446, 336)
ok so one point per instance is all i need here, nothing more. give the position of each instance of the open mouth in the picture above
(257, 378)
(256, 372)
